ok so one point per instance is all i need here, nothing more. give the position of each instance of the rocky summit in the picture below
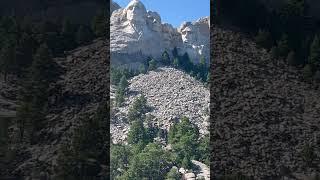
(171, 94)
(137, 33)
(265, 118)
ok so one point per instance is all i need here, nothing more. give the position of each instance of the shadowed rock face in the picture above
(137, 30)
(262, 114)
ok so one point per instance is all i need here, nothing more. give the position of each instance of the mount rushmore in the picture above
(136, 33)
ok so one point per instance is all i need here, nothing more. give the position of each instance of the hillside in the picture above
(265, 119)
(80, 89)
(171, 94)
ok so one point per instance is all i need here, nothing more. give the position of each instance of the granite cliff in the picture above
(137, 33)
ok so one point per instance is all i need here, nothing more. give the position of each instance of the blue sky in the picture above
(175, 11)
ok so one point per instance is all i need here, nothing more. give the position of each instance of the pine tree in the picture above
(119, 159)
(283, 46)
(202, 62)
(152, 65)
(183, 138)
(67, 33)
(142, 69)
(175, 52)
(186, 162)
(83, 35)
(119, 96)
(67, 27)
(274, 52)
(293, 9)
(314, 58)
(99, 24)
(291, 58)
(316, 76)
(198, 76)
(263, 39)
(67, 163)
(173, 174)
(8, 62)
(87, 151)
(152, 163)
(208, 78)
(115, 75)
(137, 133)
(307, 72)
(203, 150)
(176, 62)
(25, 51)
(121, 90)
(34, 94)
(138, 109)
(10, 28)
(165, 58)
(123, 84)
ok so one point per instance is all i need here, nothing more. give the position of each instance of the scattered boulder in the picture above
(189, 176)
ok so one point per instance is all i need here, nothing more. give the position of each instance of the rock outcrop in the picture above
(265, 119)
(137, 33)
(171, 94)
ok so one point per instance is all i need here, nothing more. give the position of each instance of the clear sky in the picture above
(175, 11)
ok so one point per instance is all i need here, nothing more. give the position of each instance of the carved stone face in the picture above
(136, 11)
(187, 34)
(154, 25)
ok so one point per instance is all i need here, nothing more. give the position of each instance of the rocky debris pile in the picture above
(77, 94)
(171, 94)
(137, 33)
(265, 119)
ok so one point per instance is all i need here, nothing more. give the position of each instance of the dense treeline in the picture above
(289, 31)
(145, 157)
(87, 155)
(34, 94)
(27, 51)
(20, 38)
(198, 70)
